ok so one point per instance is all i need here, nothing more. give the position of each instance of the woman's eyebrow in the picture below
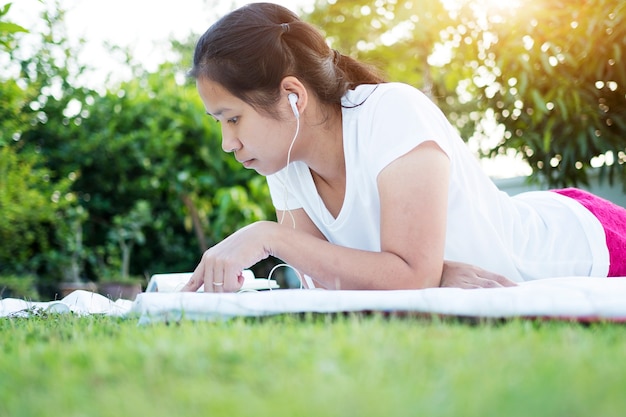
(218, 112)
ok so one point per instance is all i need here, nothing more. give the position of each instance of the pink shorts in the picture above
(613, 219)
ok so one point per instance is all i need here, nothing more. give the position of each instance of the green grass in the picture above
(352, 365)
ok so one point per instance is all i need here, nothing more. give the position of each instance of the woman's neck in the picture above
(326, 160)
(323, 152)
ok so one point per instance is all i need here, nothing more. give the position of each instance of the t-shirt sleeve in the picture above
(391, 122)
(401, 119)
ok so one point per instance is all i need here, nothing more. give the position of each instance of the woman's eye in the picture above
(233, 120)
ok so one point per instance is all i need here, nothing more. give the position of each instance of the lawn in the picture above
(313, 365)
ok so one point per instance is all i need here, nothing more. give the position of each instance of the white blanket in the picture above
(578, 298)
(79, 302)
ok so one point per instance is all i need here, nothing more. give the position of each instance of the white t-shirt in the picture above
(532, 235)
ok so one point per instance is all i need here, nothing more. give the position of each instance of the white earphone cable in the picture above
(295, 136)
(282, 218)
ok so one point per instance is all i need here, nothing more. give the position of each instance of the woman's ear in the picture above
(295, 94)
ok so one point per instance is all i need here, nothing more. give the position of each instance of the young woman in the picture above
(373, 188)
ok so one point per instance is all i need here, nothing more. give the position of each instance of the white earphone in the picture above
(293, 99)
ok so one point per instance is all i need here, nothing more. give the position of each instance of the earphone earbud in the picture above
(293, 99)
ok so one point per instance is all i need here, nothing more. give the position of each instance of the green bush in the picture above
(29, 203)
(147, 139)
(19, 286)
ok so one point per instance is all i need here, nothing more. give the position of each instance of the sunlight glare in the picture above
(495, 5)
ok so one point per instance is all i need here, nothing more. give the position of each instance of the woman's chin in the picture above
(265, 171)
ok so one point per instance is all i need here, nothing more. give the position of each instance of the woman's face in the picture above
(258, 142)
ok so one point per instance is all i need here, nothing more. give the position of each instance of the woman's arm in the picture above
(454, 274)
(219, 265)
(413, 216)
(413, 197)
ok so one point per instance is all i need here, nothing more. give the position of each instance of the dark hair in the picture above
(250, 50)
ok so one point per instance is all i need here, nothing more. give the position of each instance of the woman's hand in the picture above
(221, 267)
(457, 274)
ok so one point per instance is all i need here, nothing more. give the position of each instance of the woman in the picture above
(373, 187)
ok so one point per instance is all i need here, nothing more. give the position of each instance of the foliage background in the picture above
(550, 73)
(542, 80)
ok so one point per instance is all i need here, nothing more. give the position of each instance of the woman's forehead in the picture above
(216, 98)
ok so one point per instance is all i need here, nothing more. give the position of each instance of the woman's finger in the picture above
(488, 283)
(233, 278)
(214, 281)
(503, 281)
(196, 280)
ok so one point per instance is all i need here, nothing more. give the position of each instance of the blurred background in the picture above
(110, 170)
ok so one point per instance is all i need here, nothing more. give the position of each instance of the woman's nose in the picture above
(229, 142)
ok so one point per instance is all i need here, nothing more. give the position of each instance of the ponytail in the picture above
(356, 72)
